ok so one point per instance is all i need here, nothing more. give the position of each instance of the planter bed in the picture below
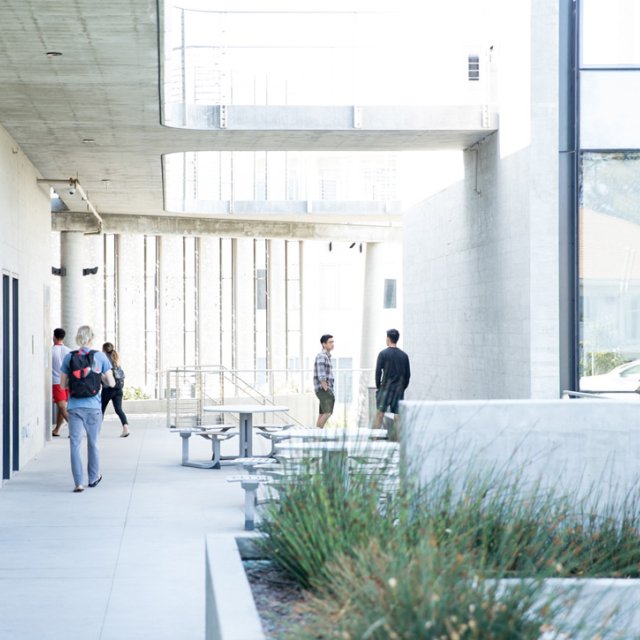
(231, 612)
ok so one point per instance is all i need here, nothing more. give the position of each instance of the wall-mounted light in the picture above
(69, 187)
(90, 271)
(58, 271)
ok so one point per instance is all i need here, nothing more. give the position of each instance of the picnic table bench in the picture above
(216, 434)
(250, 484)
(273, 432)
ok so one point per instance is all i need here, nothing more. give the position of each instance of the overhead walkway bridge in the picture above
(108, 105)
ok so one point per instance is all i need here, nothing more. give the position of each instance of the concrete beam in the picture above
(385, 231)
(364, 211)
(382, 128)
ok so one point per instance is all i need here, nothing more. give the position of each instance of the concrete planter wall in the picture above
(590, 447)
(231, 613)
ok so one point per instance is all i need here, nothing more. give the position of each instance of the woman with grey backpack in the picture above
(114, 394)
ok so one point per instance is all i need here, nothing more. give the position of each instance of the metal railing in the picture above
(600, 395)
(189, 389)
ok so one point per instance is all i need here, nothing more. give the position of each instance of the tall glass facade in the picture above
(609, 196)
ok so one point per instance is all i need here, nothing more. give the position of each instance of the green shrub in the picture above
(597, 362)
(135, 393)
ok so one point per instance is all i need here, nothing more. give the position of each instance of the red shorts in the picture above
(60, 394)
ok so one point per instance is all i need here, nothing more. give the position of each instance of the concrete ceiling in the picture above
(93, 113)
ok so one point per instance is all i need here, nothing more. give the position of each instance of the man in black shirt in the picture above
(392, 378)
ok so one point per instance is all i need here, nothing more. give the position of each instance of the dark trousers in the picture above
(111, 394)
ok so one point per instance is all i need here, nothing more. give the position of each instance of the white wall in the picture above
(25, 255)
(481, 257)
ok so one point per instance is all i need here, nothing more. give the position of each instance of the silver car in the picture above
(625, 377)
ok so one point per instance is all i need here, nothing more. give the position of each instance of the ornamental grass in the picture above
(427, 561)
(395, 594)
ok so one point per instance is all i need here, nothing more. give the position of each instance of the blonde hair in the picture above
(84, 335)
(112, 354)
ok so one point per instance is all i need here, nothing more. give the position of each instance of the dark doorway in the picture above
(15, 326)
(6, 379)
(10, 378)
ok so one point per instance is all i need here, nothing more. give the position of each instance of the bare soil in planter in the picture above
(276, 596)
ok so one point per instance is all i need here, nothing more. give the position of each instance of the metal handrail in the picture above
(591, 394)
(189, 389)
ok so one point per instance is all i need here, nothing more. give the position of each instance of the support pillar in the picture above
(373, 336)
(277, 310)
(244, 305)
(73, 296)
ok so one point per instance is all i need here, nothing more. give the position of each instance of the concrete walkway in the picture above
(121, 561)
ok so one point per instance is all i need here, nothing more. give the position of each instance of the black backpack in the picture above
(118, 374)
(84, 382)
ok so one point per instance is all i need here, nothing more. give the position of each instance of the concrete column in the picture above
(131, 292)
(171, 302)
(209, 301)
(73, 294)
(244, 302)
(94, 287)
(277, 305)
(372, 307)
(310, 287)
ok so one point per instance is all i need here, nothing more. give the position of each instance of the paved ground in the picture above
(121, 561)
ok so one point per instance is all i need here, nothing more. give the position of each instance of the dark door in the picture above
(15, 326)
(6, 379)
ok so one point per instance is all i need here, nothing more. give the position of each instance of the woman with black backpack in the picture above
(114, 394)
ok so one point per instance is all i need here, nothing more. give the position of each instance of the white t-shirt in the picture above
(58, 352)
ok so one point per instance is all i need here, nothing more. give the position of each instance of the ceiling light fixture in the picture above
(88, 140)
(53, 54)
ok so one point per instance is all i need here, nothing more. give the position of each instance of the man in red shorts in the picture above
(60, 395)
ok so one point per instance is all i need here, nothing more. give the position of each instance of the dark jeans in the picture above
(115, 395)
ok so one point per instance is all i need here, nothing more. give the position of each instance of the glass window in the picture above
(610, 32)
(609, 261)
(631, 372)
(608, 109)
(474, 68)
(261, 288)
(389, 294)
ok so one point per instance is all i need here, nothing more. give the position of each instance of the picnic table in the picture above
(332, 450)
(245, 420)
(301, 434)
(215, 434)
